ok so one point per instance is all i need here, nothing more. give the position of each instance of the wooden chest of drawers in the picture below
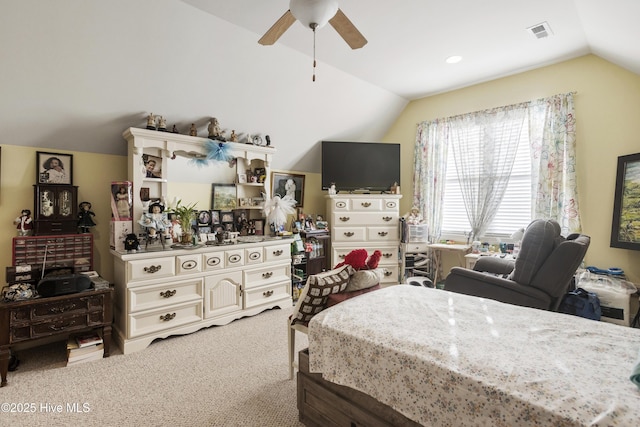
(23, 321)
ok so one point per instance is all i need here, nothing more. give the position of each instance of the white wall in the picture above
(76, 73)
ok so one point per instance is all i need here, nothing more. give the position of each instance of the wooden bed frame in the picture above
(322, 403)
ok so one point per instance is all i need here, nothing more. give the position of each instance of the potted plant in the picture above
(185, 215)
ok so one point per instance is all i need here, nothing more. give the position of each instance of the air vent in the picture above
(540, 31)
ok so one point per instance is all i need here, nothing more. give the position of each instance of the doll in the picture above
(24, 223)
(85, 217)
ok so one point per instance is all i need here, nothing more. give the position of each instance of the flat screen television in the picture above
(360, 166)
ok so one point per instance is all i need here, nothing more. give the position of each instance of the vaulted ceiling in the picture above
(76, 74)
(409, 40)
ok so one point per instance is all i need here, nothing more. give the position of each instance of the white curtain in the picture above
(484, 146)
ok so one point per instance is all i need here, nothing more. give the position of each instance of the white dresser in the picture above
(366, 221)
(175, 292)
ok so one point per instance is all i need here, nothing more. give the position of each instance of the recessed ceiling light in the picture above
(454, 59)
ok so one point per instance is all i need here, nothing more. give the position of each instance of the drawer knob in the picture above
(254, 256)
(268, 293)
(365, 204)
(153, 269)
(344, 218)
(382, 233)
(235, 258)
(167, 317)
(267, 275)
(168, 294)
(387, 218)
(189, 265)
(349, 233)
(388, 273)
(278, 252)
(213, 262)
(387, 255)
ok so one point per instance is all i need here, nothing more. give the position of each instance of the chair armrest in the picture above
(494, 265)
(487, 285)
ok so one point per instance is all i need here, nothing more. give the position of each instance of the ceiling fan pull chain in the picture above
(314, 52)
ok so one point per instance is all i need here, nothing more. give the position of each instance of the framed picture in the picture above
(625, 229)
(259, 227)
(288, 184)
(242, 178)
(215, 217)
(226, 216)
(54, 168)
(152, 166)
(144, 194)
(204, 218)
(223, 197)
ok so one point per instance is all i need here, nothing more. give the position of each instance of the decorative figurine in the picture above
(332, 189)
(85, 217)
(174, 129)
(131, 243)
(162, 126)
(233, 137)
(268, 139)
(24, 223)
(151, 122)
(193, 131)
(214, 130)
(123, 207)
(414, 217)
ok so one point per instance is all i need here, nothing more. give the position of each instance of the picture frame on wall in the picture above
(223, 197)
(54, 168)
(283, 184)
(625, 228)
(152, 166)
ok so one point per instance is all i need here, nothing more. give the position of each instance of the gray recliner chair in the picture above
(540, 275)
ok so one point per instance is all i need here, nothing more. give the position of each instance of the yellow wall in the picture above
(607, 107)
(92, 173)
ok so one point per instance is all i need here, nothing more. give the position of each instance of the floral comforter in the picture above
(447, 359)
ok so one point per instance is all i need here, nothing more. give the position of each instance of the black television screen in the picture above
(353, 166)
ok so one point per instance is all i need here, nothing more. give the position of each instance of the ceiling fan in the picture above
(315, 14)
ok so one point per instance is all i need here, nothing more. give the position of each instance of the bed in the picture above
(437, 358)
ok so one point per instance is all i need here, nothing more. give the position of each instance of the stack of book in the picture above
(84, 348)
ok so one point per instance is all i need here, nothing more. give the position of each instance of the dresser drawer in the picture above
(45, 310)
(234, 258)
(369, 205)
(68, 323)
(186, 264)
(389, 274)
(151, 269)
(389, 234)
(278, 252)
(257, 296)
(253, 255)
(266, 275)
(349, 234)
(389, 254)
(155, 296)
(213, 261)
(364, 218)
(152, 321)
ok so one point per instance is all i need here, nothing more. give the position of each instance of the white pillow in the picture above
(364, 279)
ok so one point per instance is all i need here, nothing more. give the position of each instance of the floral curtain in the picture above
(430, 169)
(484, 146)
(552, 135)
(552, 139)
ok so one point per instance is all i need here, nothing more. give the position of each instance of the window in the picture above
(515, 208)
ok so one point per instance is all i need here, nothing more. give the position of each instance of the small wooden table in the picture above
(30, 320)
(461, 250)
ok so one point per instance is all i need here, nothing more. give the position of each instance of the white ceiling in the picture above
(409, 40)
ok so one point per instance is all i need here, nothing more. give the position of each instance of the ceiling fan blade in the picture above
(278, 29)
(347, 30)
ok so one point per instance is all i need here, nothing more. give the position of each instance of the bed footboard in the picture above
(322, 403)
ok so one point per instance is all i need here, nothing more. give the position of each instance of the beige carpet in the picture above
(233, 375)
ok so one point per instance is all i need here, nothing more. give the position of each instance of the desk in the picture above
(29, 320)
(438, 248)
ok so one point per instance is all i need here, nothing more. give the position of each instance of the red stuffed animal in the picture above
(357, 259)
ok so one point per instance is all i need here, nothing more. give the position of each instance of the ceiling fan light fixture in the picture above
(317, 12)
